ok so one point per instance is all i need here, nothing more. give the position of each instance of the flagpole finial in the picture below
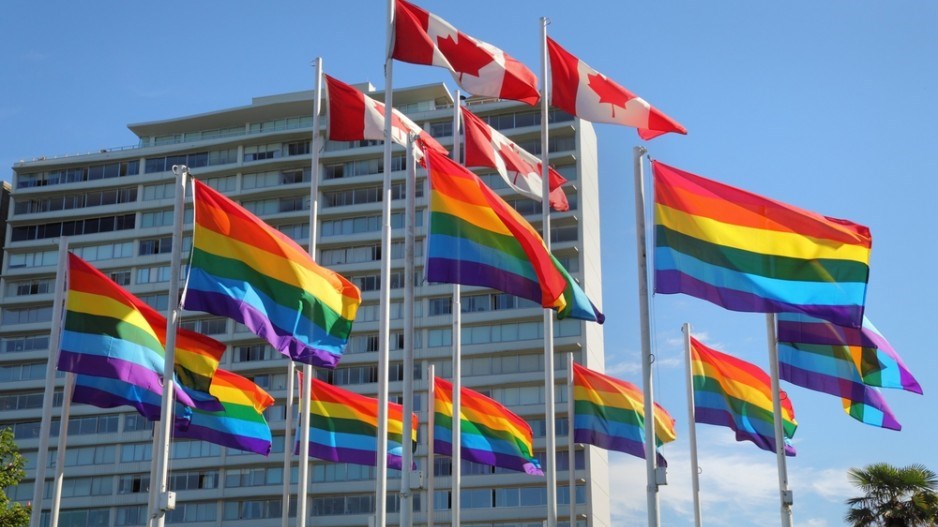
(179, 170)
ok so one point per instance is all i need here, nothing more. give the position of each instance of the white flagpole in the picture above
(407, 442)
(550, 457)
(571, 447)
(166, 499)
(288, 446)
(60, 453)
(785, 495)
(456, 479)
(691, 419)
(431, 461)
(651, 461)
(384, 326)
(55, 336)
(154, 472)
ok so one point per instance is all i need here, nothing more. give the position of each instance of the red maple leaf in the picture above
(464, 55)
(609, 92)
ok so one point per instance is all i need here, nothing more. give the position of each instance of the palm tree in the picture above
(893, 496)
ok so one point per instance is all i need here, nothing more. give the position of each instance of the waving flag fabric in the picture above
(478, 239)
(241, 424)
(246, 270)
(875, 359)
(354, 116)
(344, 427)
(737, 394)
(487, 147)
(610, 414)
(478, 67)
(830, 369)
(110, 333)
(107, 392)
(745, 252)
(490, 433)
(582, 91)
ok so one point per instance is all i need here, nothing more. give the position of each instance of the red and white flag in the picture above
(582, 91)
(354, 116)
(487, 147)
(480, 68)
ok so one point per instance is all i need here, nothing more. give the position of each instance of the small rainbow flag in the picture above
(241, 424)
(610, 414)
(490, 433)
(343, 427)
(478, 239)
(110, 333)
(745, 252)
(246, 270)
(734, 393)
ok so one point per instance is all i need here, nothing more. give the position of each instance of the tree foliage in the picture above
(11, 472)
(893, 496)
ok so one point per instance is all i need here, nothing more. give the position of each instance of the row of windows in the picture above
(193, 160)
(365, 253)
(363, 224)
(510, 332)
(77, 200)
(73, 227)
(359, 196)
(275, 178)
(36, 286)
(478, 303)
(264, 207)
(362, 167)
(506, 497)
(24, 343)
(78, 174)
(90, 253)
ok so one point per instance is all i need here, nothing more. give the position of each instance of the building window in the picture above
(156, 246)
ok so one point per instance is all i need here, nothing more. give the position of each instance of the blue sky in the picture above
(826, 105)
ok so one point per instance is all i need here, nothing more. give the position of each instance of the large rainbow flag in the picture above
(829, 368)
(111, 334)
(241, 424)
(246, 270)
(343, 427)
(737, 394)
(745, 252)
(490, 433)
(610, 413)
(478, 239)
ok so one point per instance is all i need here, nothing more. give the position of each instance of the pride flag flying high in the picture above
(588, 94)
(610, 414)
(490, 433)
(521, 170)
(830, 369)
(420, 37)
(876, 360)
(737, 394)
(344, 427)
(109, 333)
(107, 392)
(246, 270)
(745, 252)
(478, 239)
(241, 424)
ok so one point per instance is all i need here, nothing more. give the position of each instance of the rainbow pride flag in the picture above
(490, 433)
(241, 424)
(246, 270)
(876, 360)
(610, 414)
(343, 427)
(830, 369)
(106, 392)
(745, 252)
(478, 239)
(734, 393)
(110, 333)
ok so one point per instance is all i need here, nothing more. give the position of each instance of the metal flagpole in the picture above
(785, 495)
(571, 447)
(166, 499)
(60, 453)
(406, 508)
(384, 327)
(288, 446)
(431, 450)
(58, 299)
(456, 478)
(550, 457)
(691, 419)
(651, 461)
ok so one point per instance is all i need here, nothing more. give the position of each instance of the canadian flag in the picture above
(354, 116)
(582, 91)
(487, 147)
(480, 68)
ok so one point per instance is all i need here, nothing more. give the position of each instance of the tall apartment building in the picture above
(115, 206)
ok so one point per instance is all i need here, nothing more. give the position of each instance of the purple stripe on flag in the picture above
(487, 457)
(251, 444)
(713, 416)
(105, 399)
(464, 272)
(619, 444)
(350, 455)
(130, 372)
